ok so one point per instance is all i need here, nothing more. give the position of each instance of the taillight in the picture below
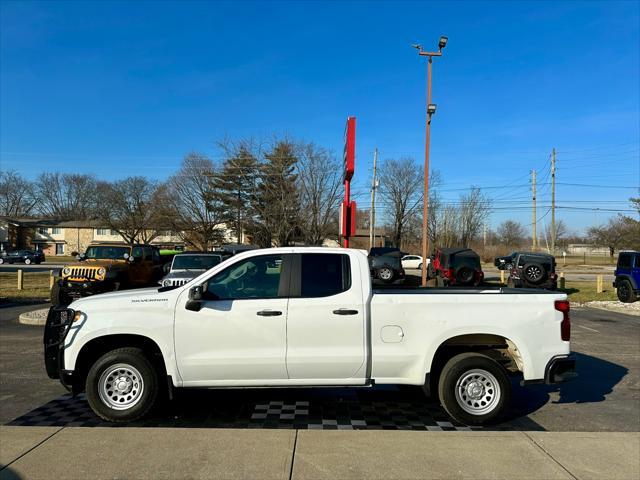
(448, 273)
(565, 326)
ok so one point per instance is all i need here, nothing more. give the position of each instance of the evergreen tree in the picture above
(235, 186)
(276, 200)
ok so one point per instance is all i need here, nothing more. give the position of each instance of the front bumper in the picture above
(55, 332)
(86, 287)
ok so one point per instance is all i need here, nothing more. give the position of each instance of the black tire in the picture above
(386, 274)
(481, 374)
(534, 273)
(27, 261)
(625, 292)
(133, 361)
(58, 296)
(420, 267)
(464, 275)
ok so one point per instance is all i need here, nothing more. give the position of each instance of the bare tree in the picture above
(67, 196)
(561, 232)
(193, 205)
(620, 232)
(319, 176)
(400, 188)
(473, 212)
(131, 207)
(511, 233)
(448, 226)
(17, 197)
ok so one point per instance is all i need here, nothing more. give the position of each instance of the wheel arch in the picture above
(98, 346)
(497, 346)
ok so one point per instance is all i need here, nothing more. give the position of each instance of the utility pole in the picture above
(372, 212)
(534, 231)
(431, 109)
(553, 201)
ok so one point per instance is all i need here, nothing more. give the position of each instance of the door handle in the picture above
(269, 313)
(344, 311)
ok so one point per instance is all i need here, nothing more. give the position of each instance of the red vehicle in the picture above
(456, 267)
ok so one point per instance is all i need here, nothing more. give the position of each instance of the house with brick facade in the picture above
(55, 237)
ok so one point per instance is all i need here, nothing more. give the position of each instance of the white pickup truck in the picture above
(304, 317)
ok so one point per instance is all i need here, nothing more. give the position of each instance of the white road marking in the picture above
(587, 328)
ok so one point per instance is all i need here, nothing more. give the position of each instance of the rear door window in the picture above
(324, 274)
(624, 260)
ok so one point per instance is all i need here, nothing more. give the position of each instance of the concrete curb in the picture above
(34, 317)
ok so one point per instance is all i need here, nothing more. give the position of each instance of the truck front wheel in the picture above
(122, 385)
(474, 389)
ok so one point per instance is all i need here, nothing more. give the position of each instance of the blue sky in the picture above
(128, 88)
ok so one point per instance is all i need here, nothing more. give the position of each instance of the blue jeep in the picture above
(628, 276)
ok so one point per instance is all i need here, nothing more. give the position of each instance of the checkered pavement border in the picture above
(325, 413)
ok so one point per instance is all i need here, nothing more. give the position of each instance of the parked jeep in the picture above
(506, 262)
(456, 266)
(385, 264)
(533, 270)
(188, 265)
(105, 268)
(627, 272)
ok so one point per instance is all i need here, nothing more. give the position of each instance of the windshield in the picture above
(195, 262)
(107, 252)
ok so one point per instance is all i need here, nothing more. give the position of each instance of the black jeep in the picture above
(533, 270)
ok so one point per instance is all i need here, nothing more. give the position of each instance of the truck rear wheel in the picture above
(474, 389)
(122, 385)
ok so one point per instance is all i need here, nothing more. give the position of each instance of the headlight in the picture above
(66, 271)
(102, 271)
(166, 283)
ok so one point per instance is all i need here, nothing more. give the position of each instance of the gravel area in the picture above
(628, 308)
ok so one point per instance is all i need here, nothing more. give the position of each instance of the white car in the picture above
(413, 261)
(306, 316)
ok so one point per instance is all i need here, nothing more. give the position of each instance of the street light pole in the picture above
(431, 109)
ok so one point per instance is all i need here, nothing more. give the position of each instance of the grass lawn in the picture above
(36, 287)
(586, 292)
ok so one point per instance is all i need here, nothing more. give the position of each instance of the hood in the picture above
(97, 263)
(124, 297)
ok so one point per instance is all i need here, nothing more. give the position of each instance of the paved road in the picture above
(605, 397)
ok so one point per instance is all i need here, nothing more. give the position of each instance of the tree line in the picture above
(277, 193)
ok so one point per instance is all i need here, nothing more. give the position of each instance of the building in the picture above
(55, 237)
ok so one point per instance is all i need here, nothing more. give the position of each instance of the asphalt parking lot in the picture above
(605, 396)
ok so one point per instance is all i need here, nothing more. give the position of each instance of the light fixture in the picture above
(443, 42)
(431, 108)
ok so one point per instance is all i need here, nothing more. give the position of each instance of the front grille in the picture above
(83, 272)
(176, 282)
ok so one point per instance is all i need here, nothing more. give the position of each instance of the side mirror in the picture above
(195, 299)
(81, 257)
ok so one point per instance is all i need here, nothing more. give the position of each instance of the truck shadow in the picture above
(596, 379)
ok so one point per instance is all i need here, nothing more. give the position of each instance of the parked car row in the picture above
(107, 267)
